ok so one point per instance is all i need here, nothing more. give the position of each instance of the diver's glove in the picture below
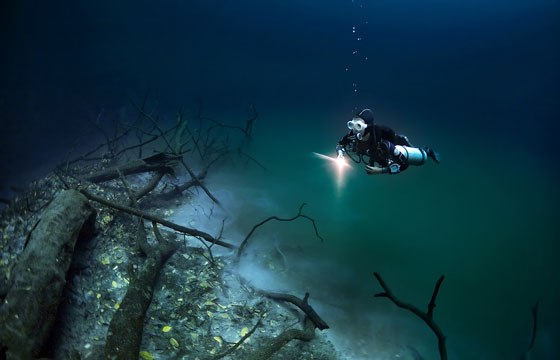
(340, 151)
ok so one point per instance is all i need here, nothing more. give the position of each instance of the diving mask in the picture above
(358, 126)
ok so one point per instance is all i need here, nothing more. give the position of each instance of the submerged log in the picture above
(34, 292)
(160, 162)
(126, 328)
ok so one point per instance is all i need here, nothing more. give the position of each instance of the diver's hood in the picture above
(358, 127)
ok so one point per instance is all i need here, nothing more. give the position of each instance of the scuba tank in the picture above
(413, 155)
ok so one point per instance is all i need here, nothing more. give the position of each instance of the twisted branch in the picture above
(153, 218)
(170, 147)
(427, 316)
(299, 214)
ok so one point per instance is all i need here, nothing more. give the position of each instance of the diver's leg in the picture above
(432, 154)
(402, 140)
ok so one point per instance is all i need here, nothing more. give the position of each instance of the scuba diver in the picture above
(387, 151)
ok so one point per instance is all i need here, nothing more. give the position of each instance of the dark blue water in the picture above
(479, 81)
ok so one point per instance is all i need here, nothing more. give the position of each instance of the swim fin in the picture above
(432, 154)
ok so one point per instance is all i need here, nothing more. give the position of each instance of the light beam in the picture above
(340, 164)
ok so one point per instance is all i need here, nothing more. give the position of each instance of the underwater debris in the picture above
(199, 306)
(35, 290)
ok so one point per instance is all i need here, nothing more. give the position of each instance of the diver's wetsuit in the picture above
(377, 142)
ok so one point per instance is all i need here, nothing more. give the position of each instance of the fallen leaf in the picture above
(146, 355)
(166, 328)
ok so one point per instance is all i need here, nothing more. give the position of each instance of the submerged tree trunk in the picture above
(160, 162)
(34, 292)
(125, 330)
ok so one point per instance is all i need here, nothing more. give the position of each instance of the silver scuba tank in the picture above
(414, 156)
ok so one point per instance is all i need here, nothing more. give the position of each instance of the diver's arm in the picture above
(374, 170)
(345, 140)
(340, 151)
(340, 146)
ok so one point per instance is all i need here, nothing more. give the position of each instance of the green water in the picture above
(481, 218)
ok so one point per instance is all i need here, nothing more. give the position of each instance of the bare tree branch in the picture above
(237, 344)
(270, 347)
(425, 316)
(166, 223)
(534, 311)
(245, 241)
(154, 181)
(300, 303)
(170, 147)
